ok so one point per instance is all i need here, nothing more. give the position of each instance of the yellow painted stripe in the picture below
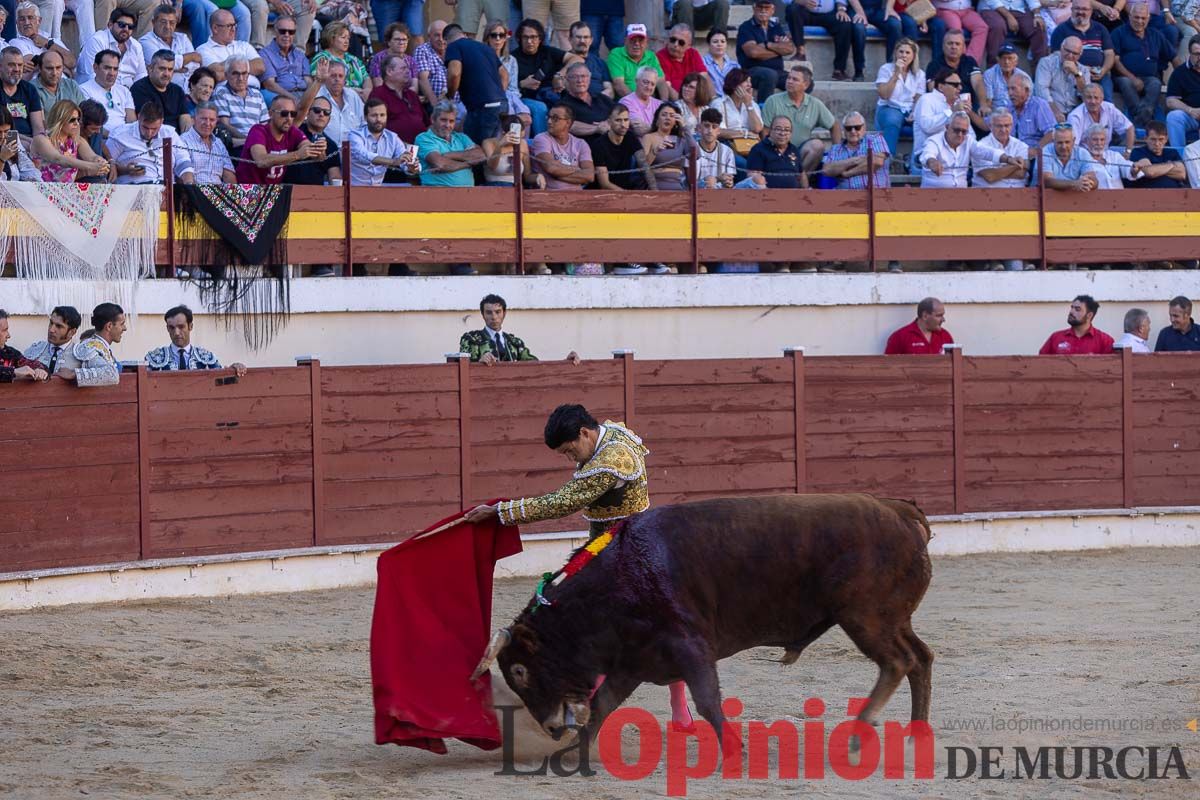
(301, 225)
(1070, 224)
(432, 225)
(782, 226)
(547, 225)
(956, 223)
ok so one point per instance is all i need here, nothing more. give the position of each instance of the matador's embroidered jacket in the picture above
(97, 364)
(608, 487)
(476, 343)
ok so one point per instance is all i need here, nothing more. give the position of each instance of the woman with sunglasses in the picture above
(61, 153)
(496, 36)
(396, 37)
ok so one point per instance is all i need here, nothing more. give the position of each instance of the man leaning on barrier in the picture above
(490, 345)
(56, 351)
(181, 355)
(1182, 335)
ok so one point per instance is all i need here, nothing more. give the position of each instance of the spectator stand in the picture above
(433, 225)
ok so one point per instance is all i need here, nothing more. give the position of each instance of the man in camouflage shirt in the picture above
(489, 345)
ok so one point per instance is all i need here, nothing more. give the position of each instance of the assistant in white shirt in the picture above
(180, 45)
(1015, 148)
(117, 102)
(127, 146)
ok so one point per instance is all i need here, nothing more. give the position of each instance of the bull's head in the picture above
(554, 689)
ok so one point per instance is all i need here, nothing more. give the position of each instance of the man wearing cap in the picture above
(762, 45)
(1014, 20)
(997, 76)
(625, 61)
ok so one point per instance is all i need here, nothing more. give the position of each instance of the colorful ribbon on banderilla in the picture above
(578, 560)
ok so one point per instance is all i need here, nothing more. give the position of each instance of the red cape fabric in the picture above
(432, 622)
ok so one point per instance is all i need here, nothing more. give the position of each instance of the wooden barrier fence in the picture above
(181, 464)
(345, 225)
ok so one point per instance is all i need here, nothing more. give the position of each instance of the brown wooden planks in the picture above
(402, 463)
(709, 372)
(269, 382)
(236, 469)
(235, 533)
(341, 437)
(389, 407)
(399, 379)
(187, 414)
(97, 542)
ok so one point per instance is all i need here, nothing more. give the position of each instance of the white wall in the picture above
(413, 320)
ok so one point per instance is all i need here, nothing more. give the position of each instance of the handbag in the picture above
(743, 146)
(921, 11)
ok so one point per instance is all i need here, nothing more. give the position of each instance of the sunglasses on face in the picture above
(497, 35)
(285, 31)
(855, 127)
(676, 40)
(127, 26)
(73, 121)
(286, 114)
(320, 112)
(955, 84)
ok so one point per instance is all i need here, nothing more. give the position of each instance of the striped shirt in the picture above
(243, 112)
(208, 160)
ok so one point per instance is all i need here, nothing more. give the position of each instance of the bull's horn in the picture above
(499, 640)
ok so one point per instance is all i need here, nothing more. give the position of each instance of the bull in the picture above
(683, 586)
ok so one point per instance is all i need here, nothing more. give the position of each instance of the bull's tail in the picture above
(908, 510)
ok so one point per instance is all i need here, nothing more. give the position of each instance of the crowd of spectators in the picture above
(579, 90)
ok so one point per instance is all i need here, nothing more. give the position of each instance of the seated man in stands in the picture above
(1142, 54)
(946, 157)
(1082, 337)
(273, 145)
(137, 163)
(1065, 168)
(600, 80)
(1095, 110)
(56, 351)
(1137, 331)
(591, 110)
(716, 166)
(104, 89)
(158, 86)
(775, 163)
(1183, 97)
(1108, 164)
(626, 61)
(181, 354)
(679, 58)
(847, 160)
(374, 150)
(997, 77)
(954, 57)
(1159, 166)
(806, 113)
(1033, 119)
(447, 155)
(13, 365)
(240, 106)
(924, 336)
(224, 44)
(1059, 80)
(616, 153)
(164, 36)
(565, 160)
(490, 345)
(207, 152)
(1182, 335)
(1007, 176)
(31, 42)
(98, 366)
(762, 45)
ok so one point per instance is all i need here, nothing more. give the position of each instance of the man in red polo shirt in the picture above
(1082, 338)
(925, 335)
(679, 59)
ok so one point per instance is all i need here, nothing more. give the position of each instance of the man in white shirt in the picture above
(946, 156)
(137, 149)
(347, 106)
(1109, 165)
(1137, 332)
(210, 160)
(163, 36)
(104, 89)
(32, 42)
(374, 149)
(1007, 176)
(715, 163)
(118, 37)
(223, 45)
(1095, 110)
(933, 110)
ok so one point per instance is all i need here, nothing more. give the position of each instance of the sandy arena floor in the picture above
(269, 697)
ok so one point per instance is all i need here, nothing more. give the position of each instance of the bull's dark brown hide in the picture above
(684, 586)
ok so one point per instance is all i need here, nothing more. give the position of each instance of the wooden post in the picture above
(143, 448)
(348, 266)
(693, 177)
(801, 437)
(464, 426)
(1127, 422)
(519, 208)
(1042, 209)
(318, 448)
(871, 207)
(626, 357)
(169, 191)
(956, 394)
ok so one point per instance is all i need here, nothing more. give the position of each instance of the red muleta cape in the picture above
(431, 625)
